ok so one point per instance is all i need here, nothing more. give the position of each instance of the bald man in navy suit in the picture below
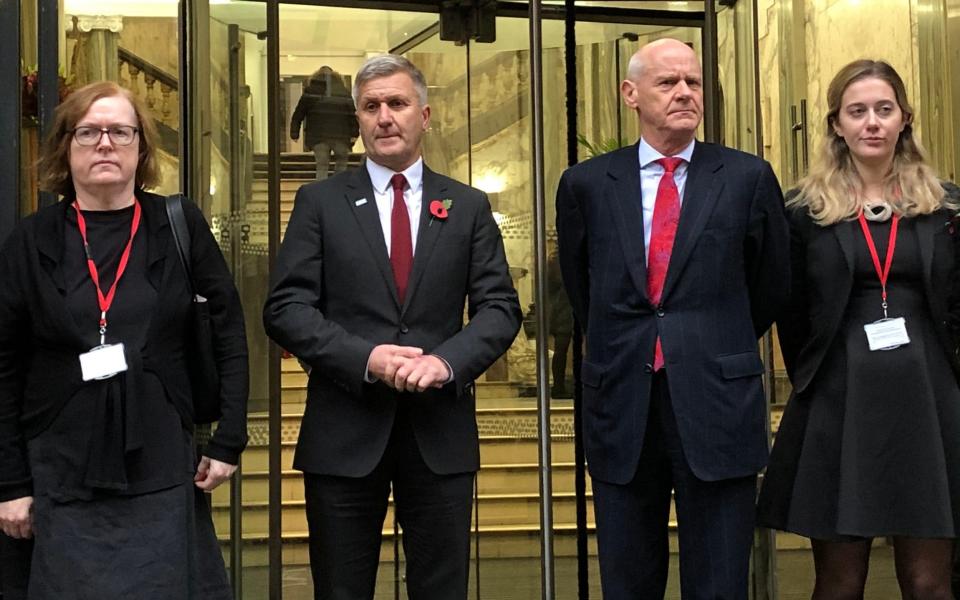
(674, 254)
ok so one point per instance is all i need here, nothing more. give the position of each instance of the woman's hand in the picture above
(16, 517)
(211, 473)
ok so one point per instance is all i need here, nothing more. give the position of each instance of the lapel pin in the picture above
(360, 202)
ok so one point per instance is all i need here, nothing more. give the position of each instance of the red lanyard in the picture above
(105, 301)
(883, 273)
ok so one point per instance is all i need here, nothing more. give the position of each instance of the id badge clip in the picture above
(103, 362)
(887, 334)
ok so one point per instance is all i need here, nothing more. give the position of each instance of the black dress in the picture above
(115, 508)
(870, 448)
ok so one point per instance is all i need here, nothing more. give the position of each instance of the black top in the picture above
(129, 433)
(137, 442)
(869, 448)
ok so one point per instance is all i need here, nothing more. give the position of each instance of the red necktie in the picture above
(666, 214)
(401, 247)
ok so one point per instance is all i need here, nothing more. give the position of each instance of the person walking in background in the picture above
(97, 460)
(369, 291)
(674, 257)
(869, 443)
(331, 125)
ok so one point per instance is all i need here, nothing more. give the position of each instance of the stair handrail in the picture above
(148, 69)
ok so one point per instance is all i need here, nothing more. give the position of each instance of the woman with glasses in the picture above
(97, 461)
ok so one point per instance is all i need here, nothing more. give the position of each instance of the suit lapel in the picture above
(363, 204)
(50, 237)
(50, 245)
(700, 194)
(428, 232)
(844, 233)
(627, 205)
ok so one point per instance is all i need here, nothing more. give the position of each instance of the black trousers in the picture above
(715, 521)
(345, 516)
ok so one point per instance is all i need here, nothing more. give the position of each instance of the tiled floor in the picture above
(519, 579)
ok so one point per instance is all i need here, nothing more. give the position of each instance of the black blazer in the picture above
(822, 269)
(727, 278)
(40, 342)
(333, 299)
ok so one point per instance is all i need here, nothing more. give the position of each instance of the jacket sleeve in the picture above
(15, 479)
(793, 323)
(493, 305)
(292, 315)
(213, 280)
(298, 114)
(572, 248)
(953, 298)
(767, 252)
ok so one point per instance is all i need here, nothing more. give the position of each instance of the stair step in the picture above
(503, 510)
(491, 480)
(494, 543)
(499, 450)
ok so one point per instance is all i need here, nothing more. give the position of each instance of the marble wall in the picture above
(953, 65)
(803, 43)
(840, 31)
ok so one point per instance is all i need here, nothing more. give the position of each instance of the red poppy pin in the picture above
(439, 209)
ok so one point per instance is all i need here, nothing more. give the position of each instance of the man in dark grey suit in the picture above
(674, 256)
(369, 292)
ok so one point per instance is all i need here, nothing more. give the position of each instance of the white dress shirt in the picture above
(412, 196)
(650, 175)
(380, 177)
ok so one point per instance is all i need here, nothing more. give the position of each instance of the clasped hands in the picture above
(406, 368)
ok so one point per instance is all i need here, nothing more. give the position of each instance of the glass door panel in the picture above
(135, 46)
(335, 41)
(236, 205)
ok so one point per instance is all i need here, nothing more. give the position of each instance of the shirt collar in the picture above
(380, 176)
(648, 154)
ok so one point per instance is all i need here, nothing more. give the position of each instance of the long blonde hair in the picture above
(831, 191)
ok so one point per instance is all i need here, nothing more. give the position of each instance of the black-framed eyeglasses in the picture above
(120, 135)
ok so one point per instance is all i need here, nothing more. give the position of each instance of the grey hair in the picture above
(384, 66)
(635, 67)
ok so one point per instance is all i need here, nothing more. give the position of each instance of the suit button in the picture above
(648, 368)
(404, 328)
(660, 312)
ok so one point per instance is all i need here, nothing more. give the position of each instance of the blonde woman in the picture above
(869, 445)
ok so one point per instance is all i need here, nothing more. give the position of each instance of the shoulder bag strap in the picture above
(181, 234)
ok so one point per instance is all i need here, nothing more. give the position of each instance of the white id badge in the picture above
(103, 362)
(887, 334)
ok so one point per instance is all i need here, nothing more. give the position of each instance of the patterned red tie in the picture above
(666, 214)
(401, 248)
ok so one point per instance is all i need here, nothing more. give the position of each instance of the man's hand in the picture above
(16, 517)
(385, 359)
(211, 473)
(418, 374)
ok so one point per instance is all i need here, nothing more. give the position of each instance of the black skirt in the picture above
(872, 447)
(156, 546)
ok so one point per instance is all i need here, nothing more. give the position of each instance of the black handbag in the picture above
(201, 361)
